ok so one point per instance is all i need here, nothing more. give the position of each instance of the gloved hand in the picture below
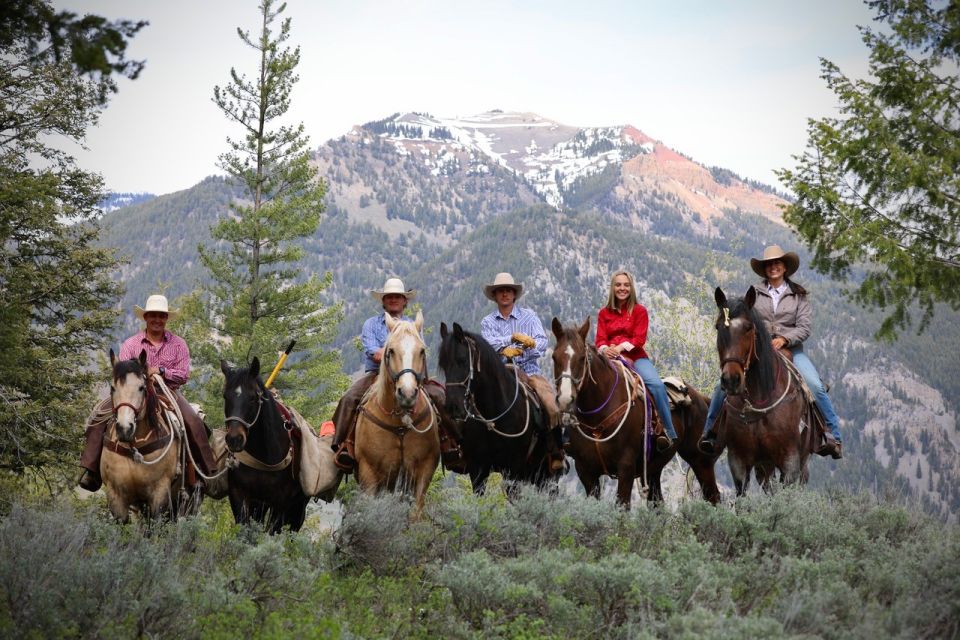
(511, 352)
(524, 339)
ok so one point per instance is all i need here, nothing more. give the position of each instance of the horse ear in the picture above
(443, 331)
(391, 323)
(143, 359)
(457, 331)
(255, 367)
(224, 367)
(584, 329)
(113, 358)
(557, 327)
(720, 297)
(750, 298)
(418, 322)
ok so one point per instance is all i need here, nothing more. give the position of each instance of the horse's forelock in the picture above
(764, 367)
(123, 367)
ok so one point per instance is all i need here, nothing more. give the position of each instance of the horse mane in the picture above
(764, 369)
(120, 371)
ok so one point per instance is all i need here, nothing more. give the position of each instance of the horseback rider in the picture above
(621, 332)
(393, 297)
(168, 357)
(517, 335)
(785, 309)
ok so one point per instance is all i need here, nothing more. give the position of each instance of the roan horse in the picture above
(501, 429)
(609, 414)
(397, 441)
(264, 486)
(141, 464)
(761, 424)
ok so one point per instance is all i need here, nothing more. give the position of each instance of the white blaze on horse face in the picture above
(565, 395)
(408, 349)
(238, 390)
(127, 392)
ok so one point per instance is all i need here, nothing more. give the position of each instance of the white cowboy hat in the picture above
(503, 279)
(156, 303)
(791, 261)
(393, 285)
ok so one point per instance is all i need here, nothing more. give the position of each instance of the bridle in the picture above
(469, 399)
(244, 423)
(136, 410)
(751, 353)
(420, 376)
(588, 373)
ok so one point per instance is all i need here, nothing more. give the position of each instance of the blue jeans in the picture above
(651, 378)
(810, 376)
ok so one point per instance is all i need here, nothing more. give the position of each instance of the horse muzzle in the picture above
(236, 438)
(732, 383)
(125, 430)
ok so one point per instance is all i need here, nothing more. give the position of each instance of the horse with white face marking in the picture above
(397, 442)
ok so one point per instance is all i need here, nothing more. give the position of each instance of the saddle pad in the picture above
(318, 474)
(677, 391)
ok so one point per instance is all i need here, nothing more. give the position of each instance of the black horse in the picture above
(263, 486)
(500, 428)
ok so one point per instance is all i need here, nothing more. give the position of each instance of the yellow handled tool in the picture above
(283, 358)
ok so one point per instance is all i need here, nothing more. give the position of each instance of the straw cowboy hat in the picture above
(791, 261)
(502, 280)
(393, 285)
(156, 303)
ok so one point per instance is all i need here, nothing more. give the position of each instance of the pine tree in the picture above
(259, 300)
(55, 77)
(881, 184)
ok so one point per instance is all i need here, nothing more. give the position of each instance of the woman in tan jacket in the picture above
(785, 309)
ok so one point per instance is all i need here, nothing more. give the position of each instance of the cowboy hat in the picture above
(791, 261)
(393, 285)
(502, 280)
(156, 303)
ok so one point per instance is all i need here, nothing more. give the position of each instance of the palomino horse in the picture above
(608, 434)
(763, 427)
(501, 428)
(397, 440)
(264, 485)
(140, 465)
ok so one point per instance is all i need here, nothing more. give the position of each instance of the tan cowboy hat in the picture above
(791, 261)
(393, 285)
(503, 279)
(156, 303)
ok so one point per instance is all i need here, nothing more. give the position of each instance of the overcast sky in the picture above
(729, 83)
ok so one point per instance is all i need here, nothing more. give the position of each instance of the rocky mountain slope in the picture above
(445, 203)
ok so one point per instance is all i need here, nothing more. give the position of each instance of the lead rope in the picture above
(231, 460)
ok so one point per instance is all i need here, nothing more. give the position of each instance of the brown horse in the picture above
(140, 466)
(761, 424)
(397, 442)
(607, 417)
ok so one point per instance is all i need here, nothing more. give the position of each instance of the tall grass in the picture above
(796, 564)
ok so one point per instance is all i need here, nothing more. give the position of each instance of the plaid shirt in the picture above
(172, 354)
(497, 330)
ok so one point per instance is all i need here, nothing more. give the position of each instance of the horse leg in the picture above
(590, 481)
(740, 471)
(764, 474)
(790, 468)
(118, 505)
(706, 476)
(478, 479)
(654, 487)
(625, 475)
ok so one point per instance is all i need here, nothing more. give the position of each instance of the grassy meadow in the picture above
(797, 564)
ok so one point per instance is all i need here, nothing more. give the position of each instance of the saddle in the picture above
(527, 389)
(677, 392)
(656, 425)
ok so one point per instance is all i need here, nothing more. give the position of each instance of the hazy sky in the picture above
(729, 83)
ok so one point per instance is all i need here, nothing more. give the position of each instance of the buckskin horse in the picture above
(607, 415)
(397, 441)
(761, 424)
(501, 428)
(140, 466)
(264, 485)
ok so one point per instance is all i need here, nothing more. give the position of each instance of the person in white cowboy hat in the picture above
(167, 356)
(784, 306)
(517, 334)
(393, 297)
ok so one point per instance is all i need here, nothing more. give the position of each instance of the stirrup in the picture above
(664, 442)
(89, 481)
(344, 458)
(708, 444)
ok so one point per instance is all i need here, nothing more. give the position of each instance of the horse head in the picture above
(742, 342)
(458, 359)
(128, 393)
(243, 398)
(404, 361)
(571, 361)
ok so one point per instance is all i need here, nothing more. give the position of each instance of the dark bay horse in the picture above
(501, 429)
(607, 413)
(264, 486)
(141, 463)
(761, 424)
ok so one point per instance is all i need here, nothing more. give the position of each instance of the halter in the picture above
(420, 376)
(613, 388)
(136, 410)
(470, 402)
(248, 425)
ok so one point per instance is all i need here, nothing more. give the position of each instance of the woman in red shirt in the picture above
(621, 332)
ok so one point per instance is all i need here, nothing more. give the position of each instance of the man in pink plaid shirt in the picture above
(167, 356)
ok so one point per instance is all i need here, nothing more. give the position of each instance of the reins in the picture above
(470, 402)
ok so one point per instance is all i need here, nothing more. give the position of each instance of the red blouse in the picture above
(614, 327)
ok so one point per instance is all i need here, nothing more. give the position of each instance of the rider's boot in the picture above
(708, 443)
(558, 461)
(89, 480)
(344, 458)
